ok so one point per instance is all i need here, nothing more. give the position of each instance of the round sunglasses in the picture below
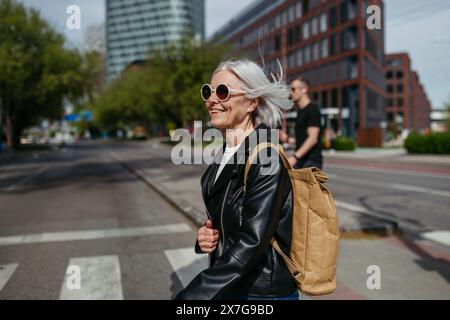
(223, 92)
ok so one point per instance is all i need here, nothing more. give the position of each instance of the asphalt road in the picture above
(78, 207)
(418, 201)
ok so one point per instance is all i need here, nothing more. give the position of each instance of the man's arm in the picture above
(310, 142)
(284, 138)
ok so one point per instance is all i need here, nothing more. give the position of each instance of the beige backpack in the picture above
(315, 228)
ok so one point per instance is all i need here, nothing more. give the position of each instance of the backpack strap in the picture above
(255, 153)
(289, 263)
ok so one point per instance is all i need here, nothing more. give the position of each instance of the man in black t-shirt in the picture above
(308, 152)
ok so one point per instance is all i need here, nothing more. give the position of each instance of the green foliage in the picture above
(344, 144)
(433, 143)
(447, 105)
(165, 90)
(36, 71)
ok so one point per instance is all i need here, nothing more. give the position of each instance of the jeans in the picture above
(308, 163)
(293, 296)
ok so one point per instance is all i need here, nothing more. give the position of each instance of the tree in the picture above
(447, 106)
(165, 89)
(36, 71)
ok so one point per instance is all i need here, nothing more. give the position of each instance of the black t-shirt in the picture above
(308, 117)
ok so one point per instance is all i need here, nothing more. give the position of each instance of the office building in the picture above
(327, 42)
(135, 28)
(408, 106)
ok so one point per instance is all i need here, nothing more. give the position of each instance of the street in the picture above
(82, 190)
(88, 206)
(419, 202)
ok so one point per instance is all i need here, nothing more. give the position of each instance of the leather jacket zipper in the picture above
(221, 213)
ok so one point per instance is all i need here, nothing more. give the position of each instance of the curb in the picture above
(384, 227)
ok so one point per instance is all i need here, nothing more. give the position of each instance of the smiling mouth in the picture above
(216, 111)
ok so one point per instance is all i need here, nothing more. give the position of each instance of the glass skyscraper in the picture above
(136, 27)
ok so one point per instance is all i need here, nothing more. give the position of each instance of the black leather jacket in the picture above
(244, 262)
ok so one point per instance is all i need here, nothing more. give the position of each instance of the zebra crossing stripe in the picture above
(92, 278)
(438, 236)
(94, 234)
(6, 271)
(186, 263)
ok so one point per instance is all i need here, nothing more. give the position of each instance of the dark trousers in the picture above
(309, 163)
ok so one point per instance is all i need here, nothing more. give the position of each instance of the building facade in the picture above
(134, 28)
(408, 107)
(327, 42)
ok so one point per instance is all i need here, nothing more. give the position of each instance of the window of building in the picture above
(400, 102)
(314, 26)
(291, 60)
(306, 30)
(297, 33)
(290, 36)
(305, 8)
(390, 102)
(299, 56)
(389, 75)
(333, 71)
(333, 44)
(291, 13)
(323, 22)
(298, 9)
(349, 38)
(390, 88)
(278, 21)
(334, 98)
(394, 63)
(284, 18)
(277, 43)
(315, 96)
(307, 54)
(315, 51)
(324, 48)
(324, 99)
(333, 17)
(390, 116)
(349, 68)
(399, 88)
(343, 11)
(399, 74)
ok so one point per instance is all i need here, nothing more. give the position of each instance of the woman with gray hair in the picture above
(245, 105)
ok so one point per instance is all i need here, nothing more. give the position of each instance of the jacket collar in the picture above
(231, 168)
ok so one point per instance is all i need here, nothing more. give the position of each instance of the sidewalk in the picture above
(396, 160)
(409, 269)
(397, 155)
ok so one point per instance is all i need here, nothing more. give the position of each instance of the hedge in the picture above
(344, 144)
(433, 143)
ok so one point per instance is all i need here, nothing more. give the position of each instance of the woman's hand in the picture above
(292, 161)
(208, 237)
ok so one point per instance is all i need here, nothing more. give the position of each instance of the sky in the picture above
(421, 28)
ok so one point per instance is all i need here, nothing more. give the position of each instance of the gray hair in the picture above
(273, 96)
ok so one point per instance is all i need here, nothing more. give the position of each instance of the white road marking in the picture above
(419, 189)
(186, 263)
(396, 186)
(332, 176)
(16, 185)
(386, 170)
(438, 236)
(94, 234)
(6, 271)
(350, 207)
(100, 279)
